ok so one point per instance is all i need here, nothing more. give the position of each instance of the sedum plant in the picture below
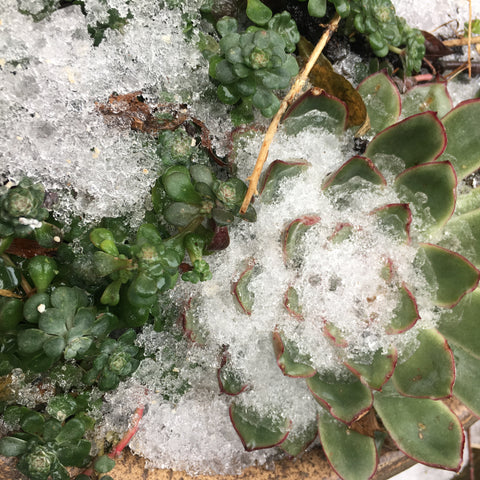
(371, 299)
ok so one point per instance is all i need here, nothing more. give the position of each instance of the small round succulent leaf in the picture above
(293, 235)
(42, 271)
(277, 171)
(72, 431)
(12, 446)
(103, 464)
(317, 8)
(324, 111)
(334, 334)
(430, 371)
(406, 314)
(77, 348)
(299, 440)
(11, 313)
(52, 321)
(229, 379)
(179, 188)
(257, 432)
(424, 429)
(377, 371)
(342, 232)
(244, 297)
(417, 139)
(192, 326)
(463, 149)
(467, 379)
(431, 97)
(352, 455)
(75, 455)
(357, 167)
(258, 13)
(227, 25)
(452, 275)
(460, 325)
(346, 401)
(382, 99)
(31, 340)
(291, 362)
(395, 219)
(201, 173)
(437, 182)
(31, 306)
(181, 214)
(51, 429)
(33, 423)
(61, 407)
(54, 347)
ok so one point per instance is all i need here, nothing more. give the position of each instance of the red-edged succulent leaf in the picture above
(467, 376)
(244, 297)
(382, 99)
(430, 371)
(299, 440)
(451, 275)
(356, 168)
(463, 149)
(424, 429)
(345, 399)
(430, 97)
(276, 172)
(352, 455)
(334, 334)
(462, 234)
(292, 236)
(395, 219)
(431, 189)
(289, 359)
(405, 314)
(342, 232)
(292, 304)
(255, 431)
(461, 324)
(229, 380)
(466, 201)
(191, 325)
(377, 371)
(316, 108)
(417, 139)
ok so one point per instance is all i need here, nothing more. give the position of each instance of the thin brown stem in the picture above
(286, 102)
(460, 42)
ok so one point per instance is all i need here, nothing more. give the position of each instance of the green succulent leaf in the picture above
(345, 400)
(275, 173)
(289, 359)
(11, 313)
(227, 25)
(430, 371)
(71, 432)
(179, 187)
(75, 454)
(104, 464)
(413, 141)
(395, 219)
(33, 423)
(451, 275)
(467, 369)
(317, 8)
(229, 379)
(324, 111)
(424, 429)
(52, 321)
(299, 439)
(355, 173)
(258, 13)
(42, 271)
(460, 325)
(352, 455)
(241, 293)
(12, 446)
(430, 188)
(31, 340)
(291, 303)
(255, 431)
(377, 371)
(463, 149)
(181, 214)
(431, 97)
(382, 99)
(292, 237)
(405, 314)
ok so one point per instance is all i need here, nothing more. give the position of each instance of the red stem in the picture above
(130, 433)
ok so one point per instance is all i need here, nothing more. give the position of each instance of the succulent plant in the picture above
(376, 294)
(253, 64)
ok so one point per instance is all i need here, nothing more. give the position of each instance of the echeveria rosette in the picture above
(419, 160)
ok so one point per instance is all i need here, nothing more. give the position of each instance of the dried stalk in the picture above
(287, 101)
(460, 42)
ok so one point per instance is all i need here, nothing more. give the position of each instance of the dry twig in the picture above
(287, 101)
